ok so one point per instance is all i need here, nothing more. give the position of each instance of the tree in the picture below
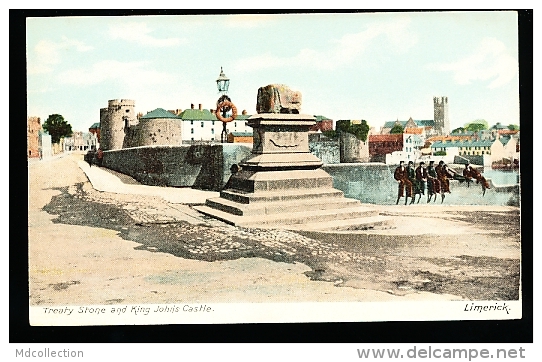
(57, 127)
(458, 130)
(331, 134)
(396, 129)
(475, 127)
(513, 127)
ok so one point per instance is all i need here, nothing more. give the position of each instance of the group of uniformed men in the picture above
(434, 179)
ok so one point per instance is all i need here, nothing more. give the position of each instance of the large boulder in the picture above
(278, 98)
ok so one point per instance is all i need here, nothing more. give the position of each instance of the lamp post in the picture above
(222, 82)
(224, 104)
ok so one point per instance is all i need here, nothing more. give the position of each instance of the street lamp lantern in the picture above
(222, 82)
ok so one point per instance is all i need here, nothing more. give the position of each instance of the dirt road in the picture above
(92, 247)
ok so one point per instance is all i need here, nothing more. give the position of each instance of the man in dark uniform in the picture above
(99, 157)
(444, 174)
(433, 183)
(471, 173)
(443, 177)
(89, 156)
(401, 176)
(421, 178)
(411, 173)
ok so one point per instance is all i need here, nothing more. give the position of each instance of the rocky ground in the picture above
(455, 252)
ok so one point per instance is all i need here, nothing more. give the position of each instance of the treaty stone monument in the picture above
(282, 183)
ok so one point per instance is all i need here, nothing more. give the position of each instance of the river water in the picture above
(500, 178)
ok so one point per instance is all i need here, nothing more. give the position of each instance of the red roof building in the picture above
(95, 129)
(322, 124)
(382, 144)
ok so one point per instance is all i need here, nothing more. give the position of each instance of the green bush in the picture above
(359, 130)
(331, 134)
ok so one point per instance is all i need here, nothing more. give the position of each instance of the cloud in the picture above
(139, 33)
(129, 73)
(48, 53)
(341, 51)
(490, 61)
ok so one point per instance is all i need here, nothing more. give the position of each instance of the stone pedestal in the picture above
(282, 184)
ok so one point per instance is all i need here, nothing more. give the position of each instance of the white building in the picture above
(80, 141)
(412, 145)
(202, 125)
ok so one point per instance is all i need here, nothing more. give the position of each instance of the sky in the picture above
(374, 66)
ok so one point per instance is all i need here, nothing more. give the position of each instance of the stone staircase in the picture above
(300, 210)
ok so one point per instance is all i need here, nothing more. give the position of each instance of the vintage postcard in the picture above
(334, 167)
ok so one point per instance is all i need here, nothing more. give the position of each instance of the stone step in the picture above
(289, 218)
(274, 196)
(377, 222)
(279, 207)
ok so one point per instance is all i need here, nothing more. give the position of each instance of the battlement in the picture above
(440, 100)
(122, 102)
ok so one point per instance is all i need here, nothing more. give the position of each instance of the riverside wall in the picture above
(373, 183)
(205, 167)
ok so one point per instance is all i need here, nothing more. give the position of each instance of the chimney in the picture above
(244, 112)
(200, 106)
(212, 110)
(192, 106)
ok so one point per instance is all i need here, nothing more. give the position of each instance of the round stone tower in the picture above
(114, 121)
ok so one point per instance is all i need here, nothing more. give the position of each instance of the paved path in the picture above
(103, 180)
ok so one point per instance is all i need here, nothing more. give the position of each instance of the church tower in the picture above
(441, 115)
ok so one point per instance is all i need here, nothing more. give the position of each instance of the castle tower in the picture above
(114, 122)
(441, 115)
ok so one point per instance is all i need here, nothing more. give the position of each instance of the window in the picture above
(213, 123)
(191, 122)
(201, 124)
(192, 130)
(212, 131)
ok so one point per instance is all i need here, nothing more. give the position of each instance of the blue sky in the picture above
(374, 66)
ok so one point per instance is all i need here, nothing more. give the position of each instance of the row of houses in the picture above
(120, 127)
(39, 143)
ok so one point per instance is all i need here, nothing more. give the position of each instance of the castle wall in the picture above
(162, 131)
(327, 151)
(204, 167)
(114, 120)
(352, 149)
